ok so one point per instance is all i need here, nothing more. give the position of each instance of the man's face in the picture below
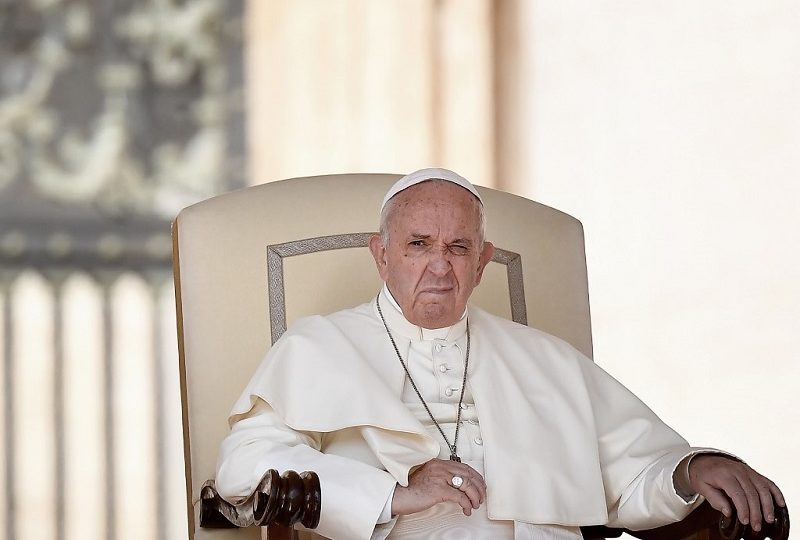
(433, 258)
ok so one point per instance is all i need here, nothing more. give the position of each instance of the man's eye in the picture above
(459, 250)
(417, 243)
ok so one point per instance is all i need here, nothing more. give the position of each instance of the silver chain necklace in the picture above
(453, 454)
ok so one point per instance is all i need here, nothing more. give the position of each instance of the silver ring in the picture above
(457, 481)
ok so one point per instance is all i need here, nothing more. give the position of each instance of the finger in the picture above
(481, 487)
(716, 498)
(477, 477)
(736, 493)
(468, 473)
(465, 470)
(471, 491)
(753, 502)
(467, 490)
(477, 481)
(449, 493)
(776, 493)
(765, 496)
(460, 498)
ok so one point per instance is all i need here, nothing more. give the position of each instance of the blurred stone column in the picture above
(365, 86)
(513, 85)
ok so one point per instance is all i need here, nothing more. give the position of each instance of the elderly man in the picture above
(433, 417)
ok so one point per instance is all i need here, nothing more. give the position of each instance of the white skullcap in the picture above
(422, 175)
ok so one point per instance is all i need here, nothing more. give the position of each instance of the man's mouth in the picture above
(437, 290)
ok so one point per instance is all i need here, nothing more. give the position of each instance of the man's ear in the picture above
(486, 256)
(379, 254)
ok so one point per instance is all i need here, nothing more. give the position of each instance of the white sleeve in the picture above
(353, 493)
(652, 498)
(681, 481)
(639, 457)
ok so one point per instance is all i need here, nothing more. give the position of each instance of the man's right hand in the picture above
(431, 484)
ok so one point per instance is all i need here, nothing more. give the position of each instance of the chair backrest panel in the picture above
(222, 282)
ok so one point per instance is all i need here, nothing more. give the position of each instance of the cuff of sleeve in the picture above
(681, 482)
(680, 476)
(386, 513)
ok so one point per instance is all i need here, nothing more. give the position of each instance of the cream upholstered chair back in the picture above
(250, 262)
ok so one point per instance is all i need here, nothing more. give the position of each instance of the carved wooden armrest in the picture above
(706, 523)
(282, 500)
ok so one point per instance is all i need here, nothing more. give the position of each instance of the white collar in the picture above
(398, 323)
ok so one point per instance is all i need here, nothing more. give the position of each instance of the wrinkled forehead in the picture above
(436, 200)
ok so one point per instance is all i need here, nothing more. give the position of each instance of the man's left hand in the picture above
(721, 480)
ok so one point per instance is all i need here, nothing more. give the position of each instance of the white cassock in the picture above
(559, 442)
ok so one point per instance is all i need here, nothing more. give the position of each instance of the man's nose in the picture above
(439, 263)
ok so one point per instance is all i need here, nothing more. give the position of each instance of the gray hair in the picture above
(389, 207)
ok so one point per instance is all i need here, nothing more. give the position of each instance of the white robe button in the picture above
(443, 368)
(478, 441)
(438, 347)
(448, 392)
(464, 406)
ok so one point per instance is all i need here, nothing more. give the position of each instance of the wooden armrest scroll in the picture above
(704, 518)
(283, 500)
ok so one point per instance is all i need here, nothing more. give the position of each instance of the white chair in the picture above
(250, 262)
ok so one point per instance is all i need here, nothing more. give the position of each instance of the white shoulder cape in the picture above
(564, 442)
